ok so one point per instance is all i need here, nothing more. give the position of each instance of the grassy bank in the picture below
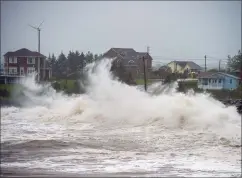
(72, 86)
(9, 87)
(142, 82)
(66, 84)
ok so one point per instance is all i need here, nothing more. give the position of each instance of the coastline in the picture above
(8, 103)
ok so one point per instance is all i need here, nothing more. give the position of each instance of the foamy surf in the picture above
(115, 124)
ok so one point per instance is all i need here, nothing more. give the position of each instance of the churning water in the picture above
(116, 128)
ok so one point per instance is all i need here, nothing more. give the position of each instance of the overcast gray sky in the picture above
(173, 30)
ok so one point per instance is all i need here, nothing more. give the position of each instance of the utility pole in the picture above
(145, 67)
(145, 82)
(38, 29)
(205, 63)
(148, 49)
(219, 65)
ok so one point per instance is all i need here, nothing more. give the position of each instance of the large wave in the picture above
(120, 126)
(113, 104)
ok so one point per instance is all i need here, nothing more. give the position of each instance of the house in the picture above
(217, 81)
(24, 62)
(161, 72)
(131, 60)
(184, 66)
(1, 69)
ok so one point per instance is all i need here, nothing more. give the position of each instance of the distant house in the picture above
(184, 66)
(161, 72)
(23, 62)
(131, 60)
(217, 81)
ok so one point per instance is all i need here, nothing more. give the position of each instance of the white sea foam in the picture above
(117, 117)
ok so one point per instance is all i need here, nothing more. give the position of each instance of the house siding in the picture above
(189, 69)
(175, 68)
(22, 56)
(228, 85)
(213, 82)
(22, 62)
(137, 68)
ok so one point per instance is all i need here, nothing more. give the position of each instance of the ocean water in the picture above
(119, 129)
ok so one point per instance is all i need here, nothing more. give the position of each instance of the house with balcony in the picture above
(217, 81)
(24, 62)
(131, 60)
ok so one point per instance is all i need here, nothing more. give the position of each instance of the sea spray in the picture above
(116, 128)
(109, 102)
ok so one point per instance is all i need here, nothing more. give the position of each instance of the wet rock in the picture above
(237, 103)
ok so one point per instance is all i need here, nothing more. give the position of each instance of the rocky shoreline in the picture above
(8, 103)
(237, 103)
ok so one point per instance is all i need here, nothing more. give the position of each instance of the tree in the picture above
(52, 63)
(89, 57)
(235, 63)
(62, 65)
(71, 60)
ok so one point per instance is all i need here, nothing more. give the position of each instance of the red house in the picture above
(23, 62)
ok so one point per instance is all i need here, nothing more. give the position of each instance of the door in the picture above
(21, 71)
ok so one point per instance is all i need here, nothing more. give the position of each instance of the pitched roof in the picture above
(193, 65)
(125, 50)
(215, 75)
(205, 74)
(229, 75)
(181, 63)
(24, 52)
(141, 54)
(129, 53)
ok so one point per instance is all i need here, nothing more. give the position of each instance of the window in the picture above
(131, 62)
(30, 70)
(215, 81)
(12, 70)
(21, 71)
(30, 60)
(230, 81)
(219, 81)
(118, 62)
(13, 60)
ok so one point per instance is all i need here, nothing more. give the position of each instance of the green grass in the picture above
(10, 87)
(66, 84)
(142, 82)
(188, 84)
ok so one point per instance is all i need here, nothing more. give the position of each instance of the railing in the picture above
(212, 87)
(11, 74)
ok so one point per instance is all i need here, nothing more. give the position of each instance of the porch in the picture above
(211, 83)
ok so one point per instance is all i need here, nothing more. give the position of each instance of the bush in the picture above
(56, 86)
(76, 88)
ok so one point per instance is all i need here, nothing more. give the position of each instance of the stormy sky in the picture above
(176, 30)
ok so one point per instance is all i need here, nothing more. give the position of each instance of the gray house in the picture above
(131, 60)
